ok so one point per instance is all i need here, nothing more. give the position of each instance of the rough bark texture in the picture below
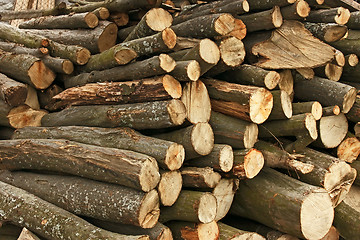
(337, 15)
(12, 92)
(328, 32)
(22, 116)
(257, 5)
(203, 178)
(194, 231)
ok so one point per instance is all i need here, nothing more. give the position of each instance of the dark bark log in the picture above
(194, 231)
(356, 166)
(119, 18)
(282, 108)
(337, 93)
(351, 60)
(354, 114)
(337, 15)
(354, 20)
(256, 5)
(12, 92)
(15, 202)
(296, 11)
(186, 71)
(331, 111)
(330, 71)
(191, 206)
(45, 96)
(349, 149)
(232, 131)
(156, 65)
(201, 178)
(6, 133)
(76, 54)
(169, 187)
(58, 65)
(19, 49)
(312, 107)
(227, 233)
(254, 103)
(285, 204)
(90, 198)
(351, 5)
(328, 32)
(351, 73)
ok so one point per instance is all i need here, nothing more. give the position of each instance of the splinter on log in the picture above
(44, 218)
(285, 204)
(100, 200)
(169, 187)
(194, 231)
(12, 92)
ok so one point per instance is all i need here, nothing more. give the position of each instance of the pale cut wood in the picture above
(296, 11)
(230, 233)
(12, 92)
(313, 107)
(196, 177)
(23, 115)
(351, 60)
(330, 71)
(339, 59)
(256, 5)
(169, 187)
(224, 193)
(32, 98)
(328, 32)
(307, 73)
(186, 71)
(337, 15)
(27, 235)
(286, 82)
(194, 231)
(349, 149)
(282, 108)
(331, 110)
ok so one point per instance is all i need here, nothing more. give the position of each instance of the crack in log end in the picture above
(224, 24)
(177, 112)
(175, 156)
(150, 210)
(149, 175)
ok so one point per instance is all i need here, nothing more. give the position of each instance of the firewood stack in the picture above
(229, 119)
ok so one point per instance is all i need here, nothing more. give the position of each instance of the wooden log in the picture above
(197, 139)
(9, 231)
(155, 20)
(328, 32)
(338, 93)
(220, 159)
(251, 75)
(192, 206)
(349, 149)
(351, 5)
(32, 99)
(354, 114)
(307, 73)
(357, 129)
(276, 157)
(351, 60)
(227, 233)
(58, 65)
(354, 20)
(270, 19)
(27, 69)
(330, 71)
(339, 58)
(119, 18)
(232, 131)
(285, 204)
(203, 178)
(45, 96)
(282, 108)
(6, 133)
(337, 15)
(197, 102)
(169, 155)
(156, 65)
(251, 103)
(224, 193)
(195, 231)
(351, 73)
(169, 187)
(356, 165)
(76, 54)
(20, 49)
(27, 235)
(149, 115)
(101, 13)
(73, 21)
(72, 227)
(257, 5)
(286, 82)
(313, 107)
(145, 90)
(296, 11)
(137, 170)
(331, 111)
(347, 46)
(186, 71)
(12, 92)
(99, 200)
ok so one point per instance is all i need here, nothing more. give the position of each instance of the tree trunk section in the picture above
(337, 15)
(328, 32)
(199, 178)
(12, 92)
(282, 108)
(194, 231)
(186, 71)
(228, 233)
(349, 149)
(313, 107)
(296, 11)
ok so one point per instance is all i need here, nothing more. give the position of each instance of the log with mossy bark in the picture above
(349, 149)
(328, 32)
(197, 139)
(43, 218)
(296, 11)
(148, 115)
(11, 91)
(192, 206)
(228, 232)
(313, 107)
(232, 131)
(123, 167)
(195, 231)
(150, 67)
(169, 155)
(337, 15)
(169, 187)
(251, 103)
(109, 202)
(145, 90)
(199, 178)
(285, 204)
(337, 93)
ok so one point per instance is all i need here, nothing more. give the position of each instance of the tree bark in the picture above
(351, 60)
(76, 54)
(296, 11)
(149, 115)
(194, 231)
(354, 114)
(119, 18)
(256, 5)
(227, 233)
(351, 73)
(354, 20)
(169, 187)
(45, 96)
(192, 206)
(282, 108)
(331, 111)
(156, 65)
(285, 204)
(232, 131)
(349, 149)
(199, 178)
(313, 107)
(12, 92)
(328, 32)
(90, 198)
(337, 15)
(186, 71)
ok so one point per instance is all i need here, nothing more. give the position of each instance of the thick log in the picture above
(313, 107)
(169, 155)
(73, 21)
(232, 131)
(146, 90)
(197, 139)
(330, 71)
(337, 15)
(270, 19)
(194, 231)
(251, 75)
(224, 193)
(128, 168)
(203, 178)
(337, 93)
(354, 20)
(285, 204)
(27, 69)
(155, 20)
(328, 32)
(349, 149)
(27, 235)
(169, 187)
(220, 159)
(282, 108)
(149, 115)
(192, 206)
(15, 202)
(251, 103)
(296, 11)
(197, 102)
(186, 71)
(256, 5)
(156, 65)
(228, 233)
(90, 198)
(12, 92)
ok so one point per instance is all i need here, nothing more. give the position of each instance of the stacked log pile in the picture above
(181, 120)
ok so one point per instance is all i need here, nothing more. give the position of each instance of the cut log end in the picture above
(303, 9)
(253, 163)
(271, 80)
(166, 235)
(209, 51)
(108, 37)
(175, 156)
(125, 55)
(340, 58)
(23, 116)
(149, 176)
(150, 210)
(40, 75)
(169, 37)
(349, 149)
(202, 138)
(333, 71)
(353, 60)
(310, 125)
(276, 16)
(246, 6)
(224, 24)
(286, 104)
(226, 158)
(193, 70)
(261, 104)
(250, 135)
(232, 51)
(68, 67)
(169, 187)
(332, 130)
(316, 215)
(82, 56)
(316, 110)
(335, 33)
(343, 16)
(177, 112)
(349, 100)
(103, 13)
(172, 86)
(91, 20)
(167, 63)
(158, 19)
(207, 208)
(208, 231)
